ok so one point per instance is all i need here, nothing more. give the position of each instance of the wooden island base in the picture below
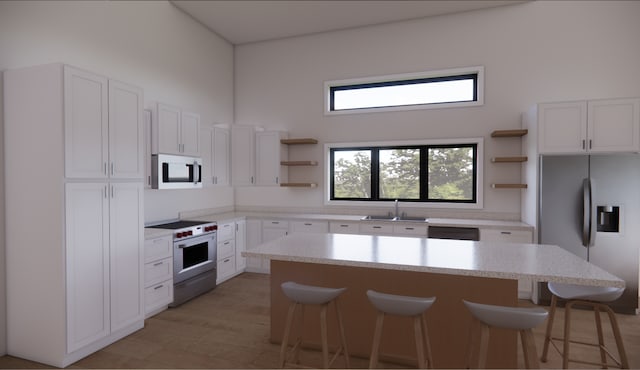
(448, 319)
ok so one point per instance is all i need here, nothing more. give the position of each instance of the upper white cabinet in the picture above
(611, 125)
(214, 148)
(103, 127)
(79, 278)
(243, 155)
(174, 131)
(269, 153)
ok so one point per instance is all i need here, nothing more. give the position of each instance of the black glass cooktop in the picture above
(178, 224)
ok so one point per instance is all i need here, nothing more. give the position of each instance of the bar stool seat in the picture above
(390, 304)
(522, 319)
(301, 295)
(590, 296)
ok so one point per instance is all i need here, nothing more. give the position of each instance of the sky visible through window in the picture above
(399, 95)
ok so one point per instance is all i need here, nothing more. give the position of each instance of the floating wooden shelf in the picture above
(299, 163)
(298, 184)
(508, 159)
(299, 141)
(509, 186)
(509, 133)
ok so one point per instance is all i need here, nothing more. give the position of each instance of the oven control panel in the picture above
(194, 231)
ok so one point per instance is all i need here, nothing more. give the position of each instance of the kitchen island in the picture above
(451, 270)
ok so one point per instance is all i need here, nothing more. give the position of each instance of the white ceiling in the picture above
(246, 21)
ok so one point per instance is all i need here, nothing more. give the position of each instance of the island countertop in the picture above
(537, 262)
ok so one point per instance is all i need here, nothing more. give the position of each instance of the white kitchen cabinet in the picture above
(146, 156)
(525, 287)
(269, 153)
(241, 245)
(243, 155)
(226, 236)
(408, 229)
(340, 227)
(104, 260)
(79, 279)
(254, 238)
(158, 274)
(214, 147)
(309, 226)
(103, 127)
(595, 126)
(376, 228)
(174, 131)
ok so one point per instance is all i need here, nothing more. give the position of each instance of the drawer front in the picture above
(226, 249)
(158, 295)
(344, 227)
(226, 268)
(275, 224)
(156, 272)
(418, 230)
(310, 226)
(376, 229)
(158, 248)
(510, 236)
(226, 231)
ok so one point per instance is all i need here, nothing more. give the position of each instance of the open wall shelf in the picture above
(508, 159)
(299, 141)
(512, 159)
(509, 133)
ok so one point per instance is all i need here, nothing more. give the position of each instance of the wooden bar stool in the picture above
(301, 295)
(388, 304)
(585, 296)
(522, 319)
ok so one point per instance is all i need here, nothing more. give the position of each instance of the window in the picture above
(447, 88)
(425, 172)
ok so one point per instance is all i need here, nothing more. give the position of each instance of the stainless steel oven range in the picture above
(194, 258)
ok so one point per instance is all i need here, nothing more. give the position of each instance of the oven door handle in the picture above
(182, 246)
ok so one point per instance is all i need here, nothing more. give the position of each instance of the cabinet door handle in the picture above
(583, 144)
(590, 143)
(105, 168)
(276, 179)
(505, 232)
(111, 168)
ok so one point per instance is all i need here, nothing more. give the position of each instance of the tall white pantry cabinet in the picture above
(75, 216)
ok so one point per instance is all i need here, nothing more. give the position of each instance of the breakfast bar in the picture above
(450, 270)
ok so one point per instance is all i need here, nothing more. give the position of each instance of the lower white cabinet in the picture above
(525, 287)
(241, 244)
(231, 242)
(253, 239)
(339, 227)
(309, 226)
(158, 274)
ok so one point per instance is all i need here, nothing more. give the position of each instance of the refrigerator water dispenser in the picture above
(608, 219)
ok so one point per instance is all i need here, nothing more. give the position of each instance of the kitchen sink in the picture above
(409, 218)
(378, 218)
(392, 218)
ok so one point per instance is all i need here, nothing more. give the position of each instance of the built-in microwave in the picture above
(175, 172)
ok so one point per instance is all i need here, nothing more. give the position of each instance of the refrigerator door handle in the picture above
(586, 212)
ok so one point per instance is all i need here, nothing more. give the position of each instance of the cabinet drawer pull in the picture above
(409, 228)
(159, 287)
(377, 227)
(227, 260)
(275, 222)
(158, 264)
(306, 224)
(344, 225)
(226, 243)
(505, 232)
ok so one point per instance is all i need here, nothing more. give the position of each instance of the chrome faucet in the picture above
(396, 203)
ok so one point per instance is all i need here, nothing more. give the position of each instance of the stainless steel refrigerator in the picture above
(590, 206)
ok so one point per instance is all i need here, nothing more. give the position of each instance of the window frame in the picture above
(405, 79)
(478, 184)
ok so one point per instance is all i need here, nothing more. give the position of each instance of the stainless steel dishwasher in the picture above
(450, 232)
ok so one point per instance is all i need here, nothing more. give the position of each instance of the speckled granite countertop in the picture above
(456, 257)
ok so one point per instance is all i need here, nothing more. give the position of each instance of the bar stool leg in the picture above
(323, 334)
(425, 334)
(287, 330)
(529, 349)
(473, 344)
(417, 330)
(484, 346)
(343, 338)
(567, 331)
(603, 354)
(373, 361)
(547, 335)
(624, 362)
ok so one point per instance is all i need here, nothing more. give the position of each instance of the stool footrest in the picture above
(606, 350)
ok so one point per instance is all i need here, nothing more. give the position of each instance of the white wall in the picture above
(532, 52)
(147, 43)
